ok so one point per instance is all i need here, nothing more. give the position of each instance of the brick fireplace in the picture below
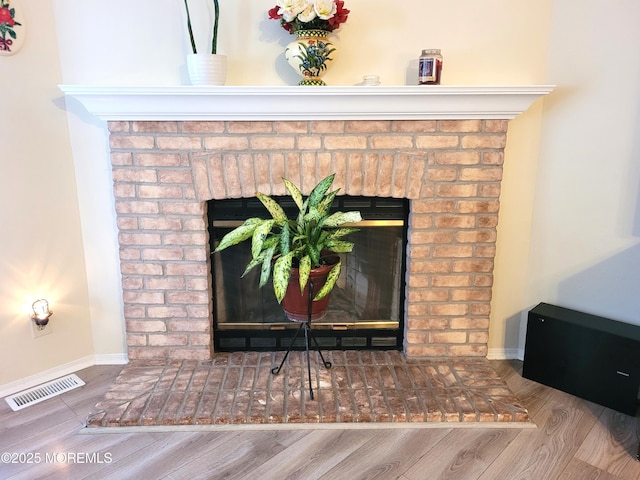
(164, 172)
(446, 158)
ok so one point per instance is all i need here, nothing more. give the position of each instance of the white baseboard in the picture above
(61, 371)
(111, 359)
(505, 354)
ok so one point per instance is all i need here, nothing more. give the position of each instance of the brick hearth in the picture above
(376, 388)
(164, 172)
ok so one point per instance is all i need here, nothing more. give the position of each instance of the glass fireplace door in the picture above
(365, 310)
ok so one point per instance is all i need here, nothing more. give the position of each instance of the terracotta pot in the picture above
(296, 305)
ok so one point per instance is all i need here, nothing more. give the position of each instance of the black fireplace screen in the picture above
(366, 307)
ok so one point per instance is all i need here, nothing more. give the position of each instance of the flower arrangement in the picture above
(297, 15)
(214, 41)
(7, 22)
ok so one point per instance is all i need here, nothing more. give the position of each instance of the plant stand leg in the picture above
(308, 336)
(326, 364)
(306, 345)
(276, 370)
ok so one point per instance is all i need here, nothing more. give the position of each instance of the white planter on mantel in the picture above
(207, 69)
(425, 102)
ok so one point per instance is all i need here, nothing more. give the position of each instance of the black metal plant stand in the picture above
(308, 336)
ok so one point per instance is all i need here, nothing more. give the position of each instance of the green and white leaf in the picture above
(325, 204)
(284, 239)
(252, 264)
(295, 193)
(270, 204)
(265, 272)
(239, 234)
(314, 254)
(339, 246)
(313, 215)
(340, 218)
(303, 211)
(332, 278)
(341, 232)
(271, 241)
(298, 239)
(316, 235)
(323, 237)
(259, 236)
(281, 274)
(304, 270)
(317, 194)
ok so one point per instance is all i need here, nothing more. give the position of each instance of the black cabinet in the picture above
(592, 357)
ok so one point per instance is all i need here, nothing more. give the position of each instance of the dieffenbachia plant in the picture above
(279, 243)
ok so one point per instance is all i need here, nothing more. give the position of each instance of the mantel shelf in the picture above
(433, 102)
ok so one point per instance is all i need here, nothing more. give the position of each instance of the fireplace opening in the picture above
(366, 310)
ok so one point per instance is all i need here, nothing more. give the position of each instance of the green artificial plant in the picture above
(280, 243)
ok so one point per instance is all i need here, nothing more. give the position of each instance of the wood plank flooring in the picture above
(575, 440)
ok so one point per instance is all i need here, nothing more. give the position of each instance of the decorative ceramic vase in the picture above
(207, 69)
(12, 27)
(310, 55)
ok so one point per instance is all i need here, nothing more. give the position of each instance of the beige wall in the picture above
(486, 42)
(40, 241)
(585, 245)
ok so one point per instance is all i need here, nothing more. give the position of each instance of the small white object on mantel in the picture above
(371, 80)
(426, 102)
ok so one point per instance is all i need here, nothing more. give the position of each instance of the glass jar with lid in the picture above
(430, 67)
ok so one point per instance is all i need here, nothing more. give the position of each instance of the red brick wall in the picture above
(164, 172)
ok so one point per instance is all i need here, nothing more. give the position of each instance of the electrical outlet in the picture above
(37, 332)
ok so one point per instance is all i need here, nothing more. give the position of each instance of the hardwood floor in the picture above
(575, 440)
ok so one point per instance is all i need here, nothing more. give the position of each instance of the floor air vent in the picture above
(34, 395)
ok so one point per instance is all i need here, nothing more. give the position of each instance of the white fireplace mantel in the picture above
(432, 102)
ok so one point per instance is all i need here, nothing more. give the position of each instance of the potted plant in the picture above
(299, 253)
(206, 68)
